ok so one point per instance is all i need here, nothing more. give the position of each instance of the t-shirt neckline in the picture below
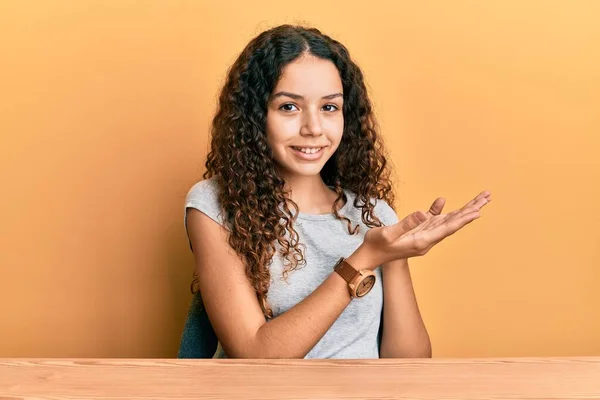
(328, 216)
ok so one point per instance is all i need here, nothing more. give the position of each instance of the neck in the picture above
(310, 193)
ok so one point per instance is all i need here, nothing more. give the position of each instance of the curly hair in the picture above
(251, 194)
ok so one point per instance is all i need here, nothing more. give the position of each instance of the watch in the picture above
(359, 282)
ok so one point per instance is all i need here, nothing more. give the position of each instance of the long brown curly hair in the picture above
(251, 193)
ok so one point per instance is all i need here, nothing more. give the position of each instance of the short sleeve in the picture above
(385, 213)
(204, 197)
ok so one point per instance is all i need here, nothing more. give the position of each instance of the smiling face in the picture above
(305, 120)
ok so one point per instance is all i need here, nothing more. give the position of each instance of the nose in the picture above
(311, 124)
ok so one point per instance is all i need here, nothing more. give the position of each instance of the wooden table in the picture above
(510, 378)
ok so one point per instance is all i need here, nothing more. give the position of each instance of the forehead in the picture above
(310, 75)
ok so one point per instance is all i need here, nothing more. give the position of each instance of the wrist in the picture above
(362, 259)
(399, 263)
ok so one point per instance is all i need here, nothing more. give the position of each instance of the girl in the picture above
(298, 252)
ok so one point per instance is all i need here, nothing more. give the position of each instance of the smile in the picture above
(307, 153)
(308, 150)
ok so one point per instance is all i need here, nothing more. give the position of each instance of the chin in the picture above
(304, 171)
(308, 171)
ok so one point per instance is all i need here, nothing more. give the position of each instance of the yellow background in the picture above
(104, 118)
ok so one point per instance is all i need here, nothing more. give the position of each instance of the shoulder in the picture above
(204, 196)
(206, 189)
(383, 210)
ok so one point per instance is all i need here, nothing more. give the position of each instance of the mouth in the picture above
(308, 153)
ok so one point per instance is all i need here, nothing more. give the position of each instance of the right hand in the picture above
(416, 234)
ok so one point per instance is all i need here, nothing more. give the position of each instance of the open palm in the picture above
(416, 234)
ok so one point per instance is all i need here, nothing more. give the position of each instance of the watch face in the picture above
(365, 286)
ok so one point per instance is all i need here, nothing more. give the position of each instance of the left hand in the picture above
(434, 215)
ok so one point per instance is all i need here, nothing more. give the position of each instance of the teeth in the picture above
(308, 151)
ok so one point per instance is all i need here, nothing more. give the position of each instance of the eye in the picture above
(287, 105)
(331, 105)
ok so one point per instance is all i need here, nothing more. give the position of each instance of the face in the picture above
(305, 120)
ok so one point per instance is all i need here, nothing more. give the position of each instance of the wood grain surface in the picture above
(510, 378)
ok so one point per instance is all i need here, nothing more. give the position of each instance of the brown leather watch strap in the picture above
(346, 270)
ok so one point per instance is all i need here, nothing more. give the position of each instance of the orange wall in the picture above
(104, 116)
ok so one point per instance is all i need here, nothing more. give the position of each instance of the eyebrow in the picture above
(299, 97)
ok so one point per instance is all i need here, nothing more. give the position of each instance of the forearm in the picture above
(294, 333)
(404, 333)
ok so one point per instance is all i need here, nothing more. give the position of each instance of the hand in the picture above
(417, 233)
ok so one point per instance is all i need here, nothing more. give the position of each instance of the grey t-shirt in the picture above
(354, 334)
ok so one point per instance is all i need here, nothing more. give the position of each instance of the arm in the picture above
(228, 296)
(404, 333)
(234, 310)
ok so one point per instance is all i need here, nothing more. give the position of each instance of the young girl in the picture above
(298, 252)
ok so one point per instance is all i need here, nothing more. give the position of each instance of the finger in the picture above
(439, 239)
(474, 205)
(436, 208)
(440, 229)
(409, 223)
(448, 217)
(413, 220)
(452, 226)
(480, 203)
(423, 240)
(425, 226)
(486, 194)
(432, 222)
